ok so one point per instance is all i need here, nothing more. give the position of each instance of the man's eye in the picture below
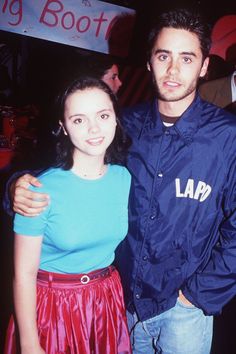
(187, 60)
(163, 57)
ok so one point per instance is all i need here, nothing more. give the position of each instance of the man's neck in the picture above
(169, 120)
(175, 108)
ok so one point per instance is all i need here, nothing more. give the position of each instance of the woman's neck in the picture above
(89, 167)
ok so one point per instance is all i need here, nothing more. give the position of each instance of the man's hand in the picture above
(24, 201)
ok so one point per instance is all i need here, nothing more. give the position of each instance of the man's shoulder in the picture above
(134, 117)
(221, 123)
(138, 109)
(214, 113)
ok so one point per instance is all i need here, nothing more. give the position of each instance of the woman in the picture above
(101, 66)
(68, 297)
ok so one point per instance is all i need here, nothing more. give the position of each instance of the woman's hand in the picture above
(24, 201)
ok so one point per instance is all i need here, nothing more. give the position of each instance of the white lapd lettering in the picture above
(201, 192)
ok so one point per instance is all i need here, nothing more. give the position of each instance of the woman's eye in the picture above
(78, 121)
(104, 116)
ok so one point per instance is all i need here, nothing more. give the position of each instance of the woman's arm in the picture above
(27, 251)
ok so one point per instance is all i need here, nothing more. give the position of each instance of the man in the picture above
(221, 92)
(177, 262)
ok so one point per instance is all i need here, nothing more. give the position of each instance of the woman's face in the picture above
(89, 121)
(111, 78)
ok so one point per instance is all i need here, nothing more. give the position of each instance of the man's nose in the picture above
(173, 67)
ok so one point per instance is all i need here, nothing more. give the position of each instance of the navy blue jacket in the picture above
(182, 232)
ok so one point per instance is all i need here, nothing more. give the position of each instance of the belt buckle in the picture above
(85, 279)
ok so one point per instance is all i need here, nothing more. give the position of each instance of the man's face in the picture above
(176, 65)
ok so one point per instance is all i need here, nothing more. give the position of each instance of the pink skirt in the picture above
(79, 314)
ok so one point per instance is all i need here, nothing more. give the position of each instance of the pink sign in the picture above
(89, 24)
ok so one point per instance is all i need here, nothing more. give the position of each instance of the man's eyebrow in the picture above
(189, 53)
(159, 50)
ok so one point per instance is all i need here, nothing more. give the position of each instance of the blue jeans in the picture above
(184, 329)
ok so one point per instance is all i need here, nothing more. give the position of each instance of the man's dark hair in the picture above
(185, 19)
(116, 152)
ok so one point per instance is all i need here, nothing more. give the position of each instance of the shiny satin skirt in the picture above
(78, 315)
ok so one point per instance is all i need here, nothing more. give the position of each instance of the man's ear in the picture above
(204, 67)
(64, 130)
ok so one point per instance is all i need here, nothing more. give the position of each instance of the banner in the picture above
(89, 24)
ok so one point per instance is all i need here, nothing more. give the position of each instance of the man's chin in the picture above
(169, 98)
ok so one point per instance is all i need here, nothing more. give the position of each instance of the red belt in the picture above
(80, 278)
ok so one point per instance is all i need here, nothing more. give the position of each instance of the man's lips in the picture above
(171, 83)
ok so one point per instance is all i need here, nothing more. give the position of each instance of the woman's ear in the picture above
(63, 128)
(148, 66)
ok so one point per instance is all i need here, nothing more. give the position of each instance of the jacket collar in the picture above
(185, 127)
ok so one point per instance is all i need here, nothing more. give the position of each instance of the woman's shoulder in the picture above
(120, 171)
(51, 177)
(51, 172)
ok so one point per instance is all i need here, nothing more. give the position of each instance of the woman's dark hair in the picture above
(184, 19)
(116, 152)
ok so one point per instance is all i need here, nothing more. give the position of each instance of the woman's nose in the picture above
(94, 127)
